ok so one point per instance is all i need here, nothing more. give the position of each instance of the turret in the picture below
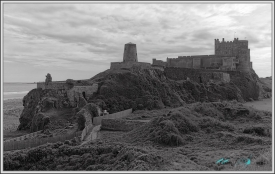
(130, 53)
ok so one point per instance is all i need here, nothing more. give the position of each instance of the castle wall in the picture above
(198, 75)
(196, 63)
(77, 91)
(183, 62)
(130, 53)
(119, 65)
(243, 60)
(52, 85)
(211, 62)
(159, 63)
(228, 63)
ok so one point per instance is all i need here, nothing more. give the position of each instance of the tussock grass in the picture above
(166, 130)
(263, 162)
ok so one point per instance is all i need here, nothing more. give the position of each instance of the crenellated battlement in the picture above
(236, 48)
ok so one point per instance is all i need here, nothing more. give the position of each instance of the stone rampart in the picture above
(52, 85)
(159, 63)
(197, 75)
(119, 65)
(78, 91)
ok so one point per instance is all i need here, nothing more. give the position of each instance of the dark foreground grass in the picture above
(192, 137)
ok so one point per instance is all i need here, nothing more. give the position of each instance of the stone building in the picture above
(73, 94)
(130, 53)
(229, 56)
(130, 58)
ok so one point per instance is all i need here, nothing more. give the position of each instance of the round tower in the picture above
(130, 53)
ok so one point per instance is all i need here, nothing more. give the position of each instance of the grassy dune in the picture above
(188, 138)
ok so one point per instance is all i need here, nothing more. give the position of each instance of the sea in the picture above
(17, 90)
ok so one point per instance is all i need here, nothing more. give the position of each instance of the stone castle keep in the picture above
(229, 56)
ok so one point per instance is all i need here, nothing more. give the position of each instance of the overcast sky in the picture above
(78, 41)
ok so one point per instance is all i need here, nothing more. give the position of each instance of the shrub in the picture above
(183, 122)
(213, 124)
(167, 134)
(259, 130)
(207, 109)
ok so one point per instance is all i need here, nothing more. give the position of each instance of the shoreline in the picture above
(19, 98)
(263, 104)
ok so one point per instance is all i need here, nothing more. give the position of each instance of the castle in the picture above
(229, 56)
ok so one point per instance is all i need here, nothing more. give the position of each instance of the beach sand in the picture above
(12, 108)
(265, 104)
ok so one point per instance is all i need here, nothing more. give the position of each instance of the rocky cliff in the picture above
(153, 88)
(38, 101)
(147, 89)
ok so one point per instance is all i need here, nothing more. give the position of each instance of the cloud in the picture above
(73, 36)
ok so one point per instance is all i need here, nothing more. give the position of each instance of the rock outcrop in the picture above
(86, 114)
(39, 122)
(140, 89)
(38, 100)
(82, 102)
(151, 88)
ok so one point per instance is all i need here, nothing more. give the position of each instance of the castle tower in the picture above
(130, 53)
(236, 48)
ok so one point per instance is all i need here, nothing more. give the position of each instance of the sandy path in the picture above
(265, 104)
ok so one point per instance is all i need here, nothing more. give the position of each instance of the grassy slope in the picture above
(213, 139)
(267, 81)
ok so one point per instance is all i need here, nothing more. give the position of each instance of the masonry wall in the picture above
(236, 48)
(182, 62)
(196, 62)
(211, 62)
(75, 92)
(159, 63)
(119, 65)
(196, 75)
(228, 63)
(52, 85)
(130, 53)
